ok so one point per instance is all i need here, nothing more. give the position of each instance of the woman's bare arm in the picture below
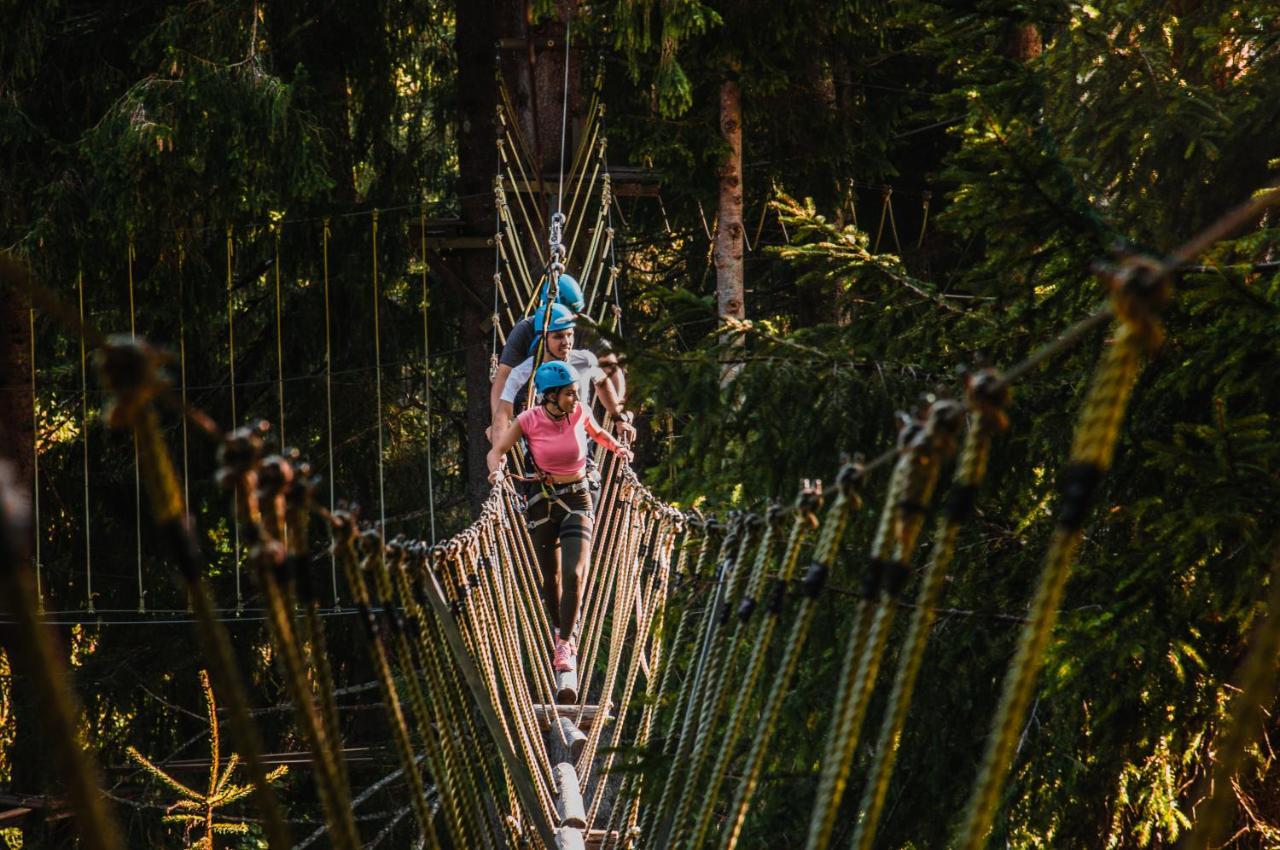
(505, 441)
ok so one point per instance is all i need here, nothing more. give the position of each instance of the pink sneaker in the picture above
(565, 658)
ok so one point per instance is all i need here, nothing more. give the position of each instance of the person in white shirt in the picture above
(559, 346)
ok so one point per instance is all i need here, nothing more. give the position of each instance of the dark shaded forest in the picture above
(921, 188)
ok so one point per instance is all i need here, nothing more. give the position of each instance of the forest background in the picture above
(1022, 142)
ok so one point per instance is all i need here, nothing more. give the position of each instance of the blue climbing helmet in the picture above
(568, 293)
(553, 376)
(561, 319)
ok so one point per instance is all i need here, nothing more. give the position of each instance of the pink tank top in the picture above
(559, 446)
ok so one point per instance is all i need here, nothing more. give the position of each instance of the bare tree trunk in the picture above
(1024, 43)
(536, 79)
(476, 34)
(17, 430)
(728, 235)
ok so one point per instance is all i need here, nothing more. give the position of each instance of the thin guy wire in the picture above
(35, 467)
(84, 433)
(426, 370)
(137, 479)
(328, 411)
(564, 113)
(377, 359)
(231, 371)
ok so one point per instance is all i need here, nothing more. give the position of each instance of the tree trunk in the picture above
(728, 235)
(476, 34)
(1024, 43)
(17, 430)
(535, 77)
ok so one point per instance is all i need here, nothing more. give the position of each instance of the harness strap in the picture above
(554, 496)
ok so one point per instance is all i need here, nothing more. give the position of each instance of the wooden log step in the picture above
(569, 807)
(570, 839)
(567, 687)
(573, 737)
(584, 717)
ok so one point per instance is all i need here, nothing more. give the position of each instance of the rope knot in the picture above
(848, 477)
(1139, 288)
(239, 453)
(809, 501)
(987, 395)
(131, 370)
(942, 426)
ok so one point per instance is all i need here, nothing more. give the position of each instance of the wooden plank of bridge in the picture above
(570, 809)
(583, 716)
(596, 838)
(567, 687)
(575, 739)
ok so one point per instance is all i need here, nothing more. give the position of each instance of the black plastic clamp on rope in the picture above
(894, 580)
(297, 574)
(369, 619)
(746, 608)
(911, 506)
(396, 619)
(776, 596)
(1077, 486)
(815, 578)
(875, 578)
(183, 547)
(961, 503)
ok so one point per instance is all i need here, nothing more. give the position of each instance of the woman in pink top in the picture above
(560, 517)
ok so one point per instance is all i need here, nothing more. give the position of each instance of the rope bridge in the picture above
(680, 612)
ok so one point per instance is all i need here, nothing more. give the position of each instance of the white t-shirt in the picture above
(589, 374)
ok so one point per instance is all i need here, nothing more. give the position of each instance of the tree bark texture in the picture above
(476, 34)
(728, 235)
(17, 429)
(1024, 43)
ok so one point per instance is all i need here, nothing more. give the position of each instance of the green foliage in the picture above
(200, 810)
(1137, 123)
(1115, 132)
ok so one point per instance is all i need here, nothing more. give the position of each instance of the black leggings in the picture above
(561, 528)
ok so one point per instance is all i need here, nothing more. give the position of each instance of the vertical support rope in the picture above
(279, 349)
(426, 367)
(1092, 450)
(986, 417)
(377, 371)
(182, 364)
(35, 468)
(84, 433)
(834, 524)
(924, 219)
(137, 479)
(564, 114)
(1249, 711)
(231, 370)
(925, 447)
(497, 280)
(328, 410)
